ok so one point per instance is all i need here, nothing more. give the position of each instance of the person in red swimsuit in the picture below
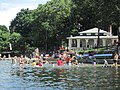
(60, 62)
(67, 59)
(40, 64)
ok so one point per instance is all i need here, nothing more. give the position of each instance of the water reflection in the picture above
(58, 78)
(116, 78)
(75, 78)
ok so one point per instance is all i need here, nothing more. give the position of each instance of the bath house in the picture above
(88, 39)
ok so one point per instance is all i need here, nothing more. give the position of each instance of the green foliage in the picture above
(49, 21)
(6, 38)
(3, 28)
(52, 22)
(15, 37)
(81, 52)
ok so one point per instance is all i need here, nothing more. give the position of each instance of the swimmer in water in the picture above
(34, 63)
(105, 63)
(21, 61)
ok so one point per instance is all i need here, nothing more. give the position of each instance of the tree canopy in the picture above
(6, 38)
(47, 26)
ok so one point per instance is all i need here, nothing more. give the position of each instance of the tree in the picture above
(92, 13)
(4, 38)
(49, 24)
(14, 38)
(51, 18)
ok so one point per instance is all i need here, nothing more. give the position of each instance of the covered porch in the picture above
(83, 42)
(89, 38)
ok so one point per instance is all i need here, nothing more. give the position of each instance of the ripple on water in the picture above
(58, 78)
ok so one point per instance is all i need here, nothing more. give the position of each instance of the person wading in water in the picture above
(115, 58)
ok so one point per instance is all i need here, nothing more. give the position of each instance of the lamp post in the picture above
(98, 39)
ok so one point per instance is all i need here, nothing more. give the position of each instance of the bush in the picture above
(80, 52)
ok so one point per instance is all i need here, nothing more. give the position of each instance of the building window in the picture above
(101, 34)
(89, 34)
(104, 34)
(84, 34)
(92, 34)
(96, 34)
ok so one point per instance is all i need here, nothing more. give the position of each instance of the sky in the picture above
(9, 9)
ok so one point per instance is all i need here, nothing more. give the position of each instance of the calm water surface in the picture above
(58, 78)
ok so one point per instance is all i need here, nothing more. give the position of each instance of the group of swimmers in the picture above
(64, 58)
(39, 61)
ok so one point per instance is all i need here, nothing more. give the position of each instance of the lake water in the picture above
(58, 78)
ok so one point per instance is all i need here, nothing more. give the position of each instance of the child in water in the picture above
(34, 63)
(21, 61)
(105, 63)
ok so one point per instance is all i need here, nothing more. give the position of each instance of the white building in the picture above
(89, 39)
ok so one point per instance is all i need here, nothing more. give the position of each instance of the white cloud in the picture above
(9, 10)
(4, 6)
(9, 14)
